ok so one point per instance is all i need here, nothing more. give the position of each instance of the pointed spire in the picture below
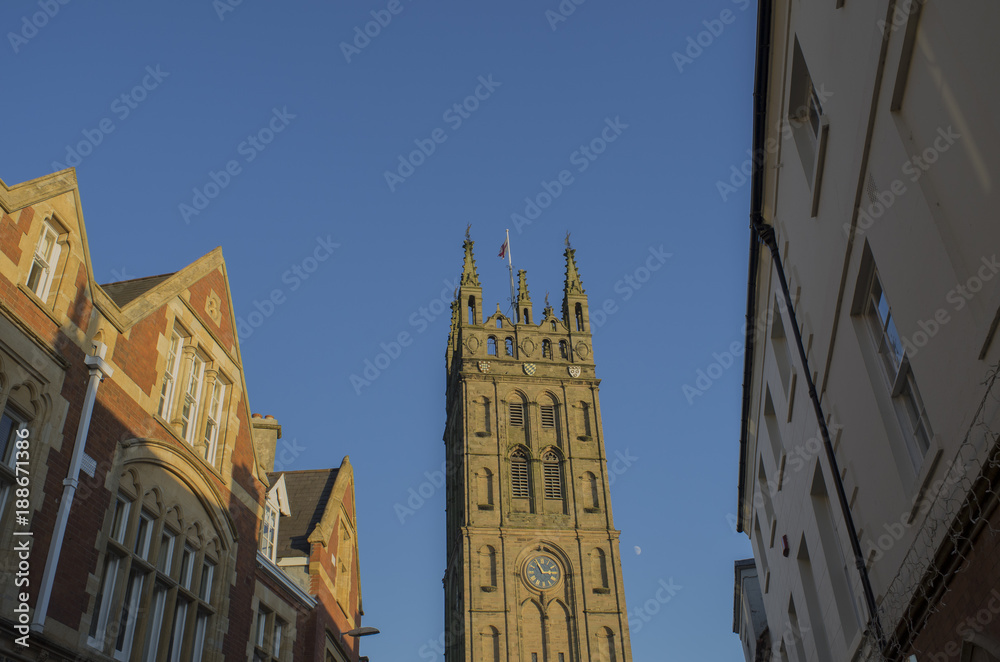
(469, 274)
(573, 284)
(522, 288)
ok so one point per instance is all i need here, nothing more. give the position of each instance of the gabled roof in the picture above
(308, 494)
(124, 292)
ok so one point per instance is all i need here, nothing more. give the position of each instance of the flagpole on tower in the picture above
(513, 292)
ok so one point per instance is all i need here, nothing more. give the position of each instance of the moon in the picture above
(638, 550)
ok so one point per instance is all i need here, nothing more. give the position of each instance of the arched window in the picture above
(552, 470)
(599, 570)
(585, 419)
(589, 489)
(553, 325)
(606, 645)
(485, 485)
(579, 317)
(487, 426)
(488, 567)
(546, 349)
(520, 485)
(525, 316)
(563, 350)
(491, 644)
(472, 309)
(499, 323)
(491, 346)
(157, 558)
(509, 346)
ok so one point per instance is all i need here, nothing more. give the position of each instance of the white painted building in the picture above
(877, 153)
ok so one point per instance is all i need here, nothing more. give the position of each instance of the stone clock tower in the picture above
(534, 573)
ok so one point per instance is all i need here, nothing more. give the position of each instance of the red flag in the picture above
(503, 249)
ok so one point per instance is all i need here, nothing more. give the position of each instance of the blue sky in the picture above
(247, 127)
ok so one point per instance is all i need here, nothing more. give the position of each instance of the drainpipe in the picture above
(767, 236)
(99, 369)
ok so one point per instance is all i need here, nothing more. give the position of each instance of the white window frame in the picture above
(109, 581)
(157, 609)
(170, 374)
(130, 612)
(213, 419)
(7, 457)
(900, 382)
(45, 260)
(191, 406)
(269, 531)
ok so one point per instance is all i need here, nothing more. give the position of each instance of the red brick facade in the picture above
(44, 379)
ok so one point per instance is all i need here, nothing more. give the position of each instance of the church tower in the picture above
(534, 572)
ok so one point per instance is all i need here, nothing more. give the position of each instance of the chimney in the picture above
(266, 433)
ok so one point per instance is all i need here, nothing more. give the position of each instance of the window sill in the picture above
(189, 448)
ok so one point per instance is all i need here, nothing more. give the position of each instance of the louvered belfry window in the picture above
(548, 416)
(517, 414)
(519, 475)
(553, 475)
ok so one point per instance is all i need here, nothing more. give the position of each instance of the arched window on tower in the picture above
(553, 325)
(579, 317)
(520, 485)
(599, 570)
(509, 346)
(590, 491)
(546, 349)
(606, 645)
(563, 350)
(485, 486)
(491, 346)
(552, 470)
(472, 309)
(488, 568)
(525, 316)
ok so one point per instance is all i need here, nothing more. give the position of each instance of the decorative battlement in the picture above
(548, 345)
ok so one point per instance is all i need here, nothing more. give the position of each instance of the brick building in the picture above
(136, 488)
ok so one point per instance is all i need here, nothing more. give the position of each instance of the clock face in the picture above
(542, 572)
